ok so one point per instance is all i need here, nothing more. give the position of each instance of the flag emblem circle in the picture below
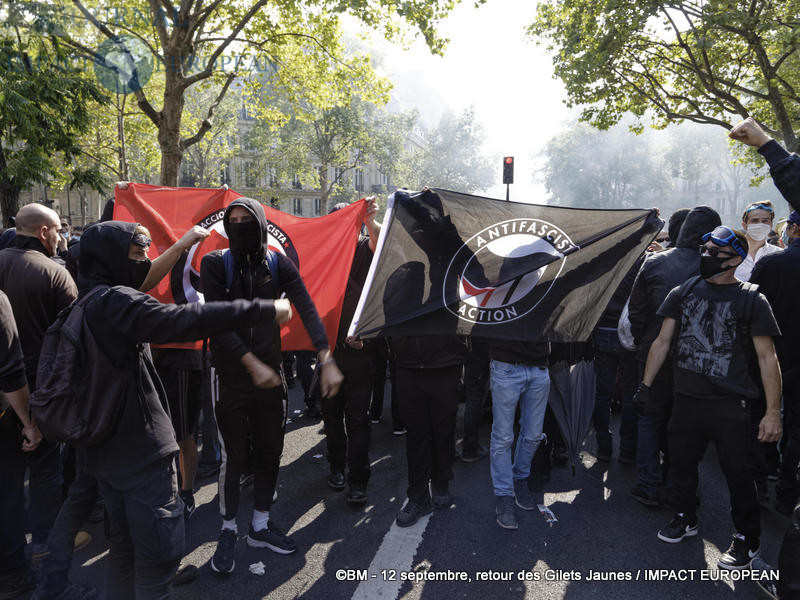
(505, 270)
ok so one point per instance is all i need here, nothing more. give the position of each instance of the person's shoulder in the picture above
(771, 250)
(213, 256)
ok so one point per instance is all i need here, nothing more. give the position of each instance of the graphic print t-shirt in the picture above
(710, 360)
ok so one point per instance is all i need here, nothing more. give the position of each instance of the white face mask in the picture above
(758, 231)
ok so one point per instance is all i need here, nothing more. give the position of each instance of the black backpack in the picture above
(744, 315)
(80, 391)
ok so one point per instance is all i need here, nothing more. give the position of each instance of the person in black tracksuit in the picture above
(429, 370)
(346, 414)
(135, 467)
(251, 396)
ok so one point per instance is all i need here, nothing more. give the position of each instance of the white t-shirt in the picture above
(744, 270)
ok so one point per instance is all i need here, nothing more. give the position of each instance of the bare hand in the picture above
(194, 235)
(750, 133)
(372, 209)
(283, 311)
(330, 380)
(264, 376)
(123, 185)
(769, 430)
(354, 342)
(655, 247)
(62, 244)
(31, 437)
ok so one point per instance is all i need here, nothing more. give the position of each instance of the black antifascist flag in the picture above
(453, 263)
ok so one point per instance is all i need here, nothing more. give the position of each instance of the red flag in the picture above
(322, 248)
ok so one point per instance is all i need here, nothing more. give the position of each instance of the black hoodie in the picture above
(662, 271)
(252, 279)
(123, 320)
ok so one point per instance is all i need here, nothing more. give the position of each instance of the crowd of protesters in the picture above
(696, 342)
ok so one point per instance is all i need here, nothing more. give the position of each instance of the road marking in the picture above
(397, 551)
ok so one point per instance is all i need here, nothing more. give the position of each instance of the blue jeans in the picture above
(530, 387)
(610, 357)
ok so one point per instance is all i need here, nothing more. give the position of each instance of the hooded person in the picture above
(135, 466)
(252, 396)
(659, 274)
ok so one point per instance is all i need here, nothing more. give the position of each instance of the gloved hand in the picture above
(641, 398)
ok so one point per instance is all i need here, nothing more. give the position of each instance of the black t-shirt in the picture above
(355, 283)
(710, 360)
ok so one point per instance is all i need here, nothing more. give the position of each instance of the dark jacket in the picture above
(429, 351)
(778, 278)
(520, 353)
(38, 290)
(610, 317)
(785, 170)
(12, 367)
(663, 271)
(122, 321)
(252, 279)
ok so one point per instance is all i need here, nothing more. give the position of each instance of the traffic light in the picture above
(508, 169)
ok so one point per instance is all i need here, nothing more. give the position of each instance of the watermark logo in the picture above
(124, 64)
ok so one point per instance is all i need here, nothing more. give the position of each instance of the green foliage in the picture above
(450, 157)
(45, 105)
(710, 62)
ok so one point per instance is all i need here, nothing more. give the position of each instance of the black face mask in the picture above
(137, 272)
(244, 237)
(712, 265)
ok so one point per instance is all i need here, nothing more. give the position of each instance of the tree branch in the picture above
(208, 121)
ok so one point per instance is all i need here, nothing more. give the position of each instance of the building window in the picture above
(359, 177)
(338, 172)
(250, 174)
(296, 182)
(384, 178)
(316, 207)
(297, 206)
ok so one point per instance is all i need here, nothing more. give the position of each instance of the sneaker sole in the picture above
(690, 533)
(220, 571)
(524, 506)
(727, 567)
(512, 527)
(472, 459)
(253, 543)
(357, 500)
(338, 488)
(646, 501)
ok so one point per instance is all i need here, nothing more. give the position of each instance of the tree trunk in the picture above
(9, 194)
(169, 132)
(324, 192)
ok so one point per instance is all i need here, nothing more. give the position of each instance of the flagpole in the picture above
(373, 266)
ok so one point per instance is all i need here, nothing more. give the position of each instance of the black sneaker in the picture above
(680, 527)
(474, 454)
(506, 516)
(272, 538)
(739, 555)
(522, 495)
(184, 575)
(398, 430)
(643, 496)
(223, 561)
(17, 583)
(411, 513)
(336, 481)
(357, 494)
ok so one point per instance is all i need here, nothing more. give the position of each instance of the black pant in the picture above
(242, 409)
(380, 357)
(726, 422)
(346, 416)
(787, 489)
(789, 560)
(145, 527)
(428, 404)
(476, 391)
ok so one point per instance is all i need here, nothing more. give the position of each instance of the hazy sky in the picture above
(492, 65)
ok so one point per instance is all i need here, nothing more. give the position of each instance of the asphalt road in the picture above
(600, 531)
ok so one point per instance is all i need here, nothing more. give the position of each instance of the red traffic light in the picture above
(509, 160)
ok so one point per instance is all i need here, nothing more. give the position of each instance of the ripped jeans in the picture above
(530, 387)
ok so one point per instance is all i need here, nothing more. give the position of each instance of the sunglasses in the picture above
(712, 251)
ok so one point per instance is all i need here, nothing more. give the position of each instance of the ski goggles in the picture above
(760, 206)
(724, 236)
